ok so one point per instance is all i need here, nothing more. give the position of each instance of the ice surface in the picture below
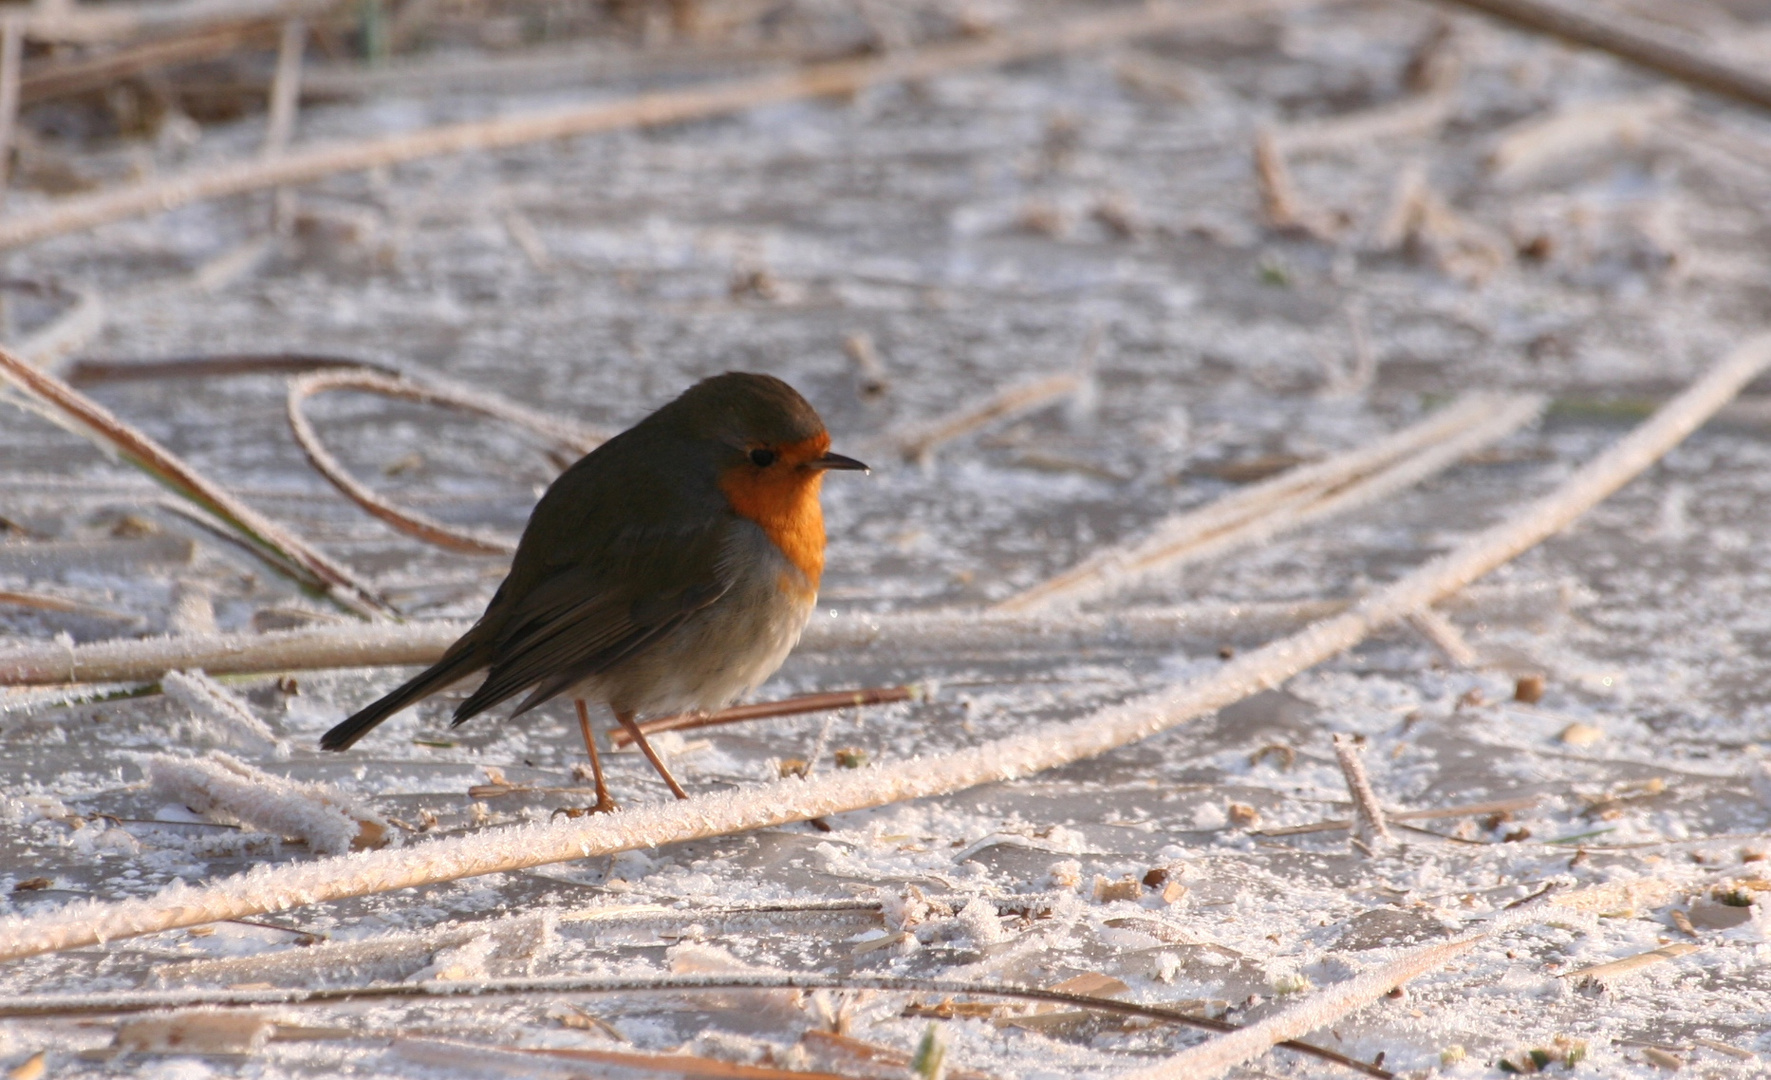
(958, 223)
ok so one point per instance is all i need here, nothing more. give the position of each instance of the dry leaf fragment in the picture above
(1285, 755)
(31, 1068)
(1126, 888)
(1662, 1059)
(1578, 734)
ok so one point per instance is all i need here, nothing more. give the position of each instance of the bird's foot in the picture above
(603, 805)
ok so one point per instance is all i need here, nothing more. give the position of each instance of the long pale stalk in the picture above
(835, 78)
(281, 547)
(1290, 500)
(793, 799)
(905, 633)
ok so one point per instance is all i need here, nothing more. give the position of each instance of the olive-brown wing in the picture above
(579, 620)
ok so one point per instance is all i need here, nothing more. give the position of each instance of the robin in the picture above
(669, 570)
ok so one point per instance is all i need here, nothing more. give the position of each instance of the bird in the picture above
(671, 569)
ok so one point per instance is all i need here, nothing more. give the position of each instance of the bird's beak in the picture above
(838, 461)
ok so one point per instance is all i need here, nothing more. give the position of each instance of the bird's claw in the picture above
(604, 805)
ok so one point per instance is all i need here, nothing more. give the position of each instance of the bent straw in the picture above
(833, 79)
(574, 437)
(282, 548)
(1289, 500)
(940, 632)
(519, 847)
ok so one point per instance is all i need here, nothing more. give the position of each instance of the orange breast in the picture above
(783, 500)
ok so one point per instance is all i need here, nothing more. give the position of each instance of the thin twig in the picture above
(12, 51)
(285, 89)
(1368, 817)
(762, 710)
(90, 372)
(1445, 636)
(1497, 806)
(837, 78)
(95, 23)
(1531, 146)
(1290, 500)
(575, 437)
(454, 1054)
(59, 76)
(1421, 114)
(791, 799)
(919, 443)
(1283, 206)
(44, 602)
(936, 633)
(92, 420)
(67, 1005)
(1603, 973)
(72, 328)
(940, 634)
(1218, 1056)
(1632, 39)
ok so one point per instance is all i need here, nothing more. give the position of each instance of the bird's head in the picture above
(768, 434)
(771, 451)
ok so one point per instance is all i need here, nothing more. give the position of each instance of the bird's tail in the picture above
(453, 666)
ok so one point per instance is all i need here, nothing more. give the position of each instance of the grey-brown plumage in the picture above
(670, 569)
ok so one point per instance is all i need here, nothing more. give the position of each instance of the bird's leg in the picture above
(625, 719)
(603, 802)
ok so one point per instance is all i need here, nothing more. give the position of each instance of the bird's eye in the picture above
(762, 458)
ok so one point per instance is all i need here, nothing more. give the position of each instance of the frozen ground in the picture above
(979, 228)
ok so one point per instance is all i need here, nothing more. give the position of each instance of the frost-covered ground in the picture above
(978, 228)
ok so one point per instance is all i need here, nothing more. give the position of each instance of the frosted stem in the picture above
(793, 799)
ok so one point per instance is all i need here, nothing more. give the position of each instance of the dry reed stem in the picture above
(12, 53)
(542, 66)
(1632, 39)
(522, 231)
(925, 633)
(1445, 636)
(66, 333)
(1283, 207)
(531, 1062)
(919, 443)
(1422, 114)
(96, 23)
(1531, 146)
(938, 633)
(59, 76)
(1368, 815)
(1605, 972)
(870, 374)
(575, 437)
(92, 420)
(1043, 747)
(1290, 500)
(832, 79)
(69, 1005)
(285, 89)
(45, 602)
(765, 710)
(1218, 1056)
(1496, 806)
